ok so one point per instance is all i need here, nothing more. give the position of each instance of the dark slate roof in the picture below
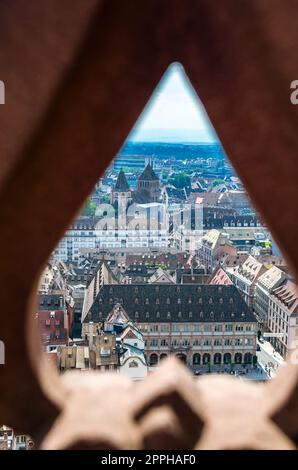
(182, 271)
(51, 302)
(121, 183)
(84, 223)
(229, 221)
(141, 196)
(176, 193)
(169, 260)
(148, 174)
(82, 274)
(177, 303)
(194, 278)
(137, 270)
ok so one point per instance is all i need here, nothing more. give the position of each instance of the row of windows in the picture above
(155, 342)
(195, 327)
(177, 289)
(178, 301)
(279, 323)
(276, 309)
(189, 314)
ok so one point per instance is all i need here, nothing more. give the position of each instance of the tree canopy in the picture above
(89, 208)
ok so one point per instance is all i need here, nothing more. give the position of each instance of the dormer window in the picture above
(231, 300)
(136, 314)
(111, 290)
(169, 315)
(221, 301)
(111, 301)
(147, 314)
(179, 315)
(168, 300)
(190, 314)
(147, 301)
(210, 301)
(179, 301)
(189, 301)
(136, 301)
(100, 300)
(157, 301)
(157, 315)
(136, 290)
(200, 301)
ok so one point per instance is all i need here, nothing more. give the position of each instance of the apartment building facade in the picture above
(210, 244)
(266, 283)
(82, 234)
(283, 318)
(245, 278)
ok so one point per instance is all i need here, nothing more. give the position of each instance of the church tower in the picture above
(148, 182)
(121, 193)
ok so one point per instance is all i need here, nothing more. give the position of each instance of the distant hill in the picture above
(179, 151)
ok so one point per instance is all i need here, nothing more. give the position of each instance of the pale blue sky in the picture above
(174, 113)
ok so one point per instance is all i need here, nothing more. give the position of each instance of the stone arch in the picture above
(217, 358)
(206, 358)
(182, 357)
(196, 359)
(238, 358)
(153, 360)
(248, 358)
(227, 358)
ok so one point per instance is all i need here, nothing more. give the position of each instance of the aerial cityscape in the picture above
(168, 257)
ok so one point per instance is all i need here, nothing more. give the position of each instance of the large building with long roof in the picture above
(205, 325)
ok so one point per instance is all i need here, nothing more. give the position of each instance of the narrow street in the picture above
(268, 358)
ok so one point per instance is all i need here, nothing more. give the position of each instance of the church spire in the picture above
(148, 174)
(121, 183)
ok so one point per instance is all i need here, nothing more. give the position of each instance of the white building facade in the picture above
(283, 318)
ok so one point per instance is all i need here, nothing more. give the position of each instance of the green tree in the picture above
(89, 208)
(105, 199)
(180, 180)
(218, 181)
